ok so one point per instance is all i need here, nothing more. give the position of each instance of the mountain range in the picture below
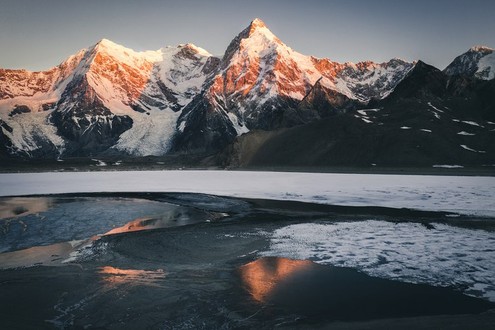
(261, 104)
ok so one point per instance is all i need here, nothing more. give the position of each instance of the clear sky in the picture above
(39, 34)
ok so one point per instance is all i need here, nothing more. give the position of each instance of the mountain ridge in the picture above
(111, 100)
(478, 61)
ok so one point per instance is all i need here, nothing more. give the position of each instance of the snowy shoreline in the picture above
(458, 194)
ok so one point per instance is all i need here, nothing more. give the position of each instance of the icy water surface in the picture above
(34, 221)
(182, 261)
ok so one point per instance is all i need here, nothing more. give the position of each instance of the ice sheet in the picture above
(408, 252)
(461, 194)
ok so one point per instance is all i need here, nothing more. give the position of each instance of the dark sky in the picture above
(36, 34)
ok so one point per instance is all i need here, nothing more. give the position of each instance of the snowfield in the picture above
(458, 194)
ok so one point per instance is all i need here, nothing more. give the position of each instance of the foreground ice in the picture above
(466, 195)
(408, 252)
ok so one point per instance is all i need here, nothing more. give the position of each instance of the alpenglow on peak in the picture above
(257, 23)
(481, 48)
(257, 26)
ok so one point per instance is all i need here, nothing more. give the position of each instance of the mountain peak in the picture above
(255, 24)
(255, 38)
(108, 46)
(258, 27)
(107, 43)
(478, 62)
(481, 49)
(195, 49)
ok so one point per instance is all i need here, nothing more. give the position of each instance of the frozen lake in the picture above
(459, 194)
(355, 252)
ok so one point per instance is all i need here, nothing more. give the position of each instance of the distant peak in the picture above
(105, 45)
(421, 64)
(106, 42)
(257, 23)
(481, 49)
(398, 60)
(257, 26)
(195, 49)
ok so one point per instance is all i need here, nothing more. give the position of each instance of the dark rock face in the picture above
(169, 95)
(422, 81)
(19, 109)
(276, 113)
(472, 97)
(347, 141)
(205, 128)
(462, 96)
(322, 102)
(211, 65)
(88, 127)
(5, 143)
(90, 135)
(48, 106)
(429, 119)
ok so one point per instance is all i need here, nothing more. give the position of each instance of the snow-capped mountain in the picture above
(106, 96)
(261, 81)
(478, 62)
(111, 100)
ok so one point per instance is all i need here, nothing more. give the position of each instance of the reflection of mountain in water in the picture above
(307, 288)
(36, 221)
(51, 231)
(262, 276)
(176, 217)
(116, 276)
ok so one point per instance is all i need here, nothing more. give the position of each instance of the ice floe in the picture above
(441, 255)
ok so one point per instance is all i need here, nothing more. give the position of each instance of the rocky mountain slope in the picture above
(261, 104)
(429, 119)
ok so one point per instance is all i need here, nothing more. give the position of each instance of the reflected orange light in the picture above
(262, 276)
(116, 276)
(48, 255)
(135, 225)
